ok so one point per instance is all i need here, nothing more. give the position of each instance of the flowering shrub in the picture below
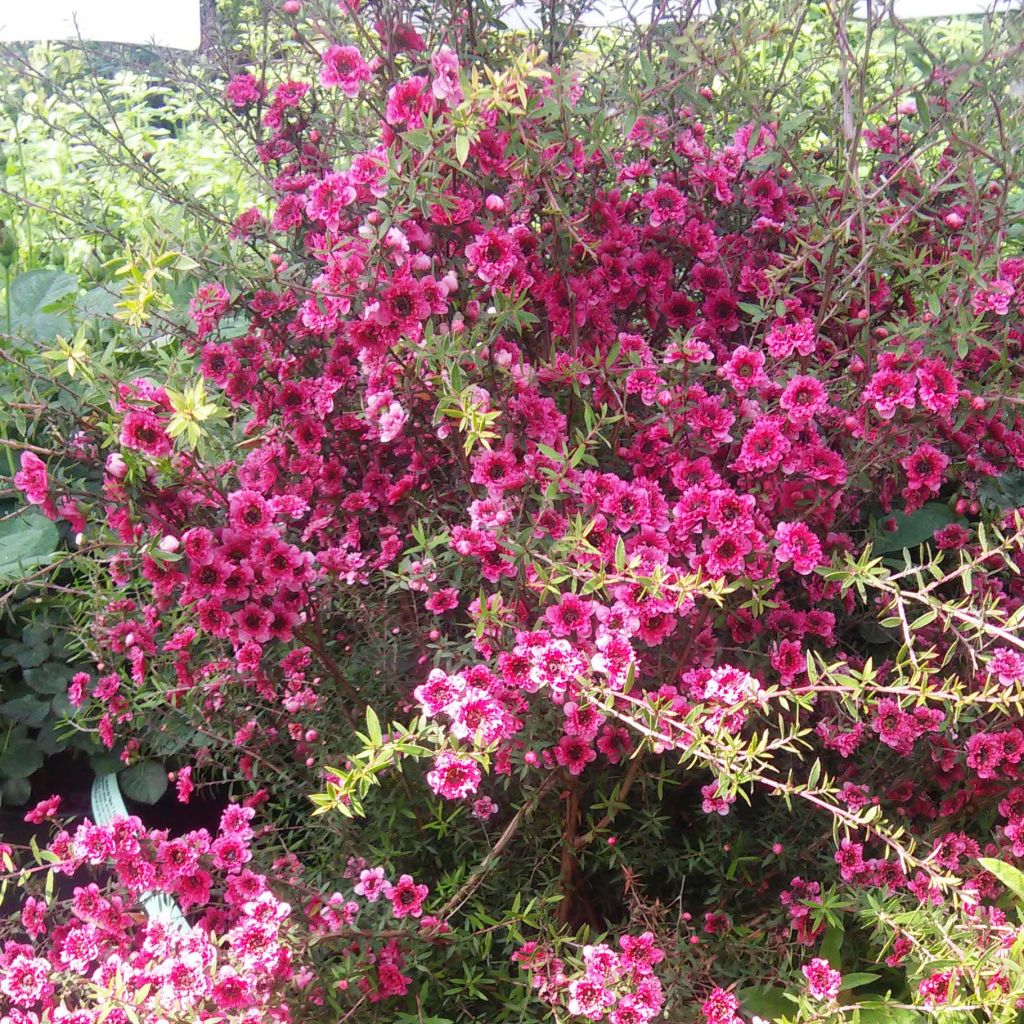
(612, 521)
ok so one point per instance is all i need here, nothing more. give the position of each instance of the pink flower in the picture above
(571, 616)
(407, 102)
(344, 67)
(445, 84)
(484, 808)
(439, 692)
(441, 601)
(328, 198)
(243, 90)
(248, 512)
(993, 297)
(713, 803)
(574, 753)
(745, 370)
(925, 467)
(391, 422)
(590, 999)
(25, 979)
(144, 431)
(721, 1007)
(406, 897)
(803, 399)
(935, 990)
(822, 980)
(208, 305)
(453, 777)
(764, 445)
(666, 204)
(43, 810)
(33, 914)
(371, 884)
(33, 482)
(183, 784)
(640, 953)
(889, 389)
(797, 544)
(1007, 666)
(785, 339)
(937, 387)
(493, 255)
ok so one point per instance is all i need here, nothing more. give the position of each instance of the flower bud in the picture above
(116, 466)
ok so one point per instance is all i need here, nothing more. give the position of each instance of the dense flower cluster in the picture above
(99, 958)
(618, 983)
(635, 424)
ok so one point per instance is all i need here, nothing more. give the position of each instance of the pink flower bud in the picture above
(116, 466)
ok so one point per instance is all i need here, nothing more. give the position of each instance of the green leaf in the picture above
(33, 295)
(29, 710)
(144, 782)
(1011, 877)
(884, 1013)
(373, 727)
(855, 980)
(98, 302)
(50, 678)
(26, 656)
(418, 140)
(15, 792)
(26, 542)
(20, 758)
(1005, 491)
(764, 1001)
(49, 740)
(832, 945)
(914, 529)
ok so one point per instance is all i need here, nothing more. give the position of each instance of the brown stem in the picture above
(474, 880)
(619, 796)
(567, 878)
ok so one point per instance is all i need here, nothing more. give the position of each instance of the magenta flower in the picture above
(32, 480)
(406, 897)
(453, 777)
(344, 67)
(822, 980)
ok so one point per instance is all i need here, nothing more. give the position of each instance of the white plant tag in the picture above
(107, 804)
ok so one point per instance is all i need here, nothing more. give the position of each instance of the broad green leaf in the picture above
(144, 782)
(33, 296)
(28, 656)
(764, 1001)
(832, 945)
(25, 543)
(885, 1013)
(29, 710)
(913, 529)
(1011, 877)
(1005, 491)
(20, 758)
(855, 980)
(49, 678)
(15, 792)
